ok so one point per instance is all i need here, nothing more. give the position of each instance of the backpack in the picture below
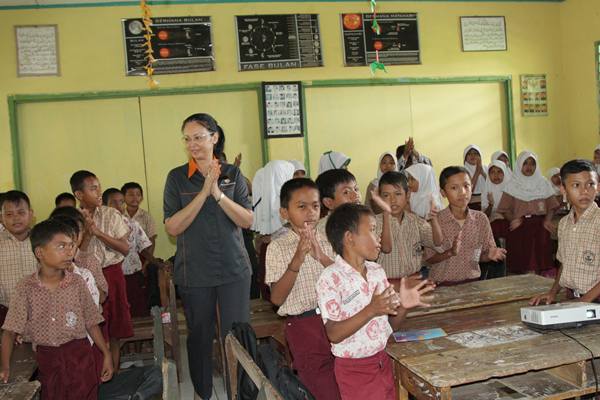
(133, 384)
(290, 387)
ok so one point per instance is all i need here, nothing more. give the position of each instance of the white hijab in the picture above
(266, 187)
(549, 174)
(496, 155)
(495, 190)
(375, 181)
(480, 184)
(298, 165)
(528, 188)
(420, 201)
(333, 160)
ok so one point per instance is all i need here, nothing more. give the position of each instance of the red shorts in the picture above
(500, 228)
(366, 378)
(137, 296)
(115, 310)
(68, 372)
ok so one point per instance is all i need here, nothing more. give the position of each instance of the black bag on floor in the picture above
(290, 387)
(244, 333)
(143, 383)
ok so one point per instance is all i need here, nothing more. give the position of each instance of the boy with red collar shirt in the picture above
(578, 236)
(468, 237)
(106, 235)
(294, 262)
(54, 309)
(359, 307)
(16, 258)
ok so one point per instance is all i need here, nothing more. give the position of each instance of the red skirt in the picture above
(366, 378)
(68, 372)
(115, 310)
(500, 228)
(529, 248)
(137, 296)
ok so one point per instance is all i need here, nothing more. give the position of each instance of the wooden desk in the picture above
(481, 293)
(548, 365)
(265, 321)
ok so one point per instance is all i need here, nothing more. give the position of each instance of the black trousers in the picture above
(199, 304)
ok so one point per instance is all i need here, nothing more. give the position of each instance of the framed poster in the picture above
(483, 33)
(282, 107)
(180, 44)
(534, 95)
(397, 43)
(37, 50)
(278, 41)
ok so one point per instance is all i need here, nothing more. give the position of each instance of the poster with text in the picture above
(534, 95)
(397, 42)
(282, 107)
(278, 41)
(180, 44)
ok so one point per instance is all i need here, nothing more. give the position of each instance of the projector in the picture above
(561, 315)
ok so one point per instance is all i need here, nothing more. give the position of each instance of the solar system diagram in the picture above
(179, 44)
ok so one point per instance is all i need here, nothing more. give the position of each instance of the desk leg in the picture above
(421, 389)
(400, 390)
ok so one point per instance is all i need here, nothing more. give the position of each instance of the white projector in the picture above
(561, 315)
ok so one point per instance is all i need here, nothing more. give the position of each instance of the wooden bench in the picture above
(265, 321)
(237, 354)
(22, 368)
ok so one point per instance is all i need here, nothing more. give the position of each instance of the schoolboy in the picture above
(468, 237)
(139, 243)
(107, 233)
(134, 195)
(54, 308)
(294, 262)
(65, 200)
(90, 263)
(16, 258)
(578, 236)
(403, 234)
(359, 317)
(336, 187)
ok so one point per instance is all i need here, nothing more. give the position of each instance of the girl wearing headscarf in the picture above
(299, 169)
(424, 190)
(472, 162)
(333, 160)
(501, 155)
(528, 202)
(267, 185)
(387, 162)
(498, 178)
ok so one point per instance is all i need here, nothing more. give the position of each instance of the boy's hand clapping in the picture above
(384, 303)
(380, 202)
(411, 297)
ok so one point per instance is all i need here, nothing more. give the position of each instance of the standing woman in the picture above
(206, 206)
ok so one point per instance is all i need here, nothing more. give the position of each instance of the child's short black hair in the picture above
(329, 180)
(15, 197)
(344, 218)
(400, 151)
(394, 178)
(107, 193)
(78, 178)
(71, 223)
(288, 189)
(64, 196)
(575, 167)
(69, 212)
(131, 185)
(451, 171)
(44, 232)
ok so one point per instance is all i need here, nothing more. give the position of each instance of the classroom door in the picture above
(59, 138)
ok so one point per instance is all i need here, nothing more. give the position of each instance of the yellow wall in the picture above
(580, 20)
(91, 57)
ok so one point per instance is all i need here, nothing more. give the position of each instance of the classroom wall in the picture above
(92, 59)
(580, 21)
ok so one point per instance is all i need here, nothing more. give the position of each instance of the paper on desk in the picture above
(418, 334)
(493, 336)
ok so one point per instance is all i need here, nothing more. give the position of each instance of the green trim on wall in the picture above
(15, 100)
(264, 143)
(305, 132)
(187, 2)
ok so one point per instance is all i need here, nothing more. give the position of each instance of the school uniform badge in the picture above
(71, 319)
(589, 257)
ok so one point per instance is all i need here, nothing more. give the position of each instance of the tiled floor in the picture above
(186, 389)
